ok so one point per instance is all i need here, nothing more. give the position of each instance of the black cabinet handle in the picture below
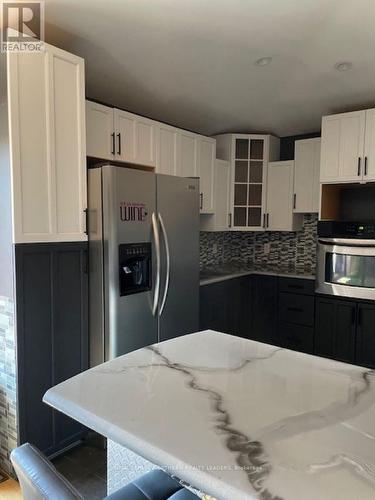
(201, 201)
(359, 166)
(365, 165)
(294, 200)
(229, 220)
(113, 144)
(295, 309)
(86, 221)
(119, 144)
(268, 220)
(264, 221)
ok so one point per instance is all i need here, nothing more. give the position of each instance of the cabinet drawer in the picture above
(297, 337)
(297, 285)
(296, 309)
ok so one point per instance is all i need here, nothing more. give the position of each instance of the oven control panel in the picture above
(342, 229)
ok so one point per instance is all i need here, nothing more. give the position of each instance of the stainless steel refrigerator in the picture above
(143, 258)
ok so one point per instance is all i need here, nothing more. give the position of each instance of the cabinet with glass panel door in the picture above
(249, 155)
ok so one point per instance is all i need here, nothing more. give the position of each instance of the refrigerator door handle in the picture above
(168, 258)
(158, 263)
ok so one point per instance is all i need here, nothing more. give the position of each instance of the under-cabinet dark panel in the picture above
(52, 335)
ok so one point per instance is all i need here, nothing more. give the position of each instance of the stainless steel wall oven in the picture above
(346, 259)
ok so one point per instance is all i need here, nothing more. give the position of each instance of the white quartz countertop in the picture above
(236, 418)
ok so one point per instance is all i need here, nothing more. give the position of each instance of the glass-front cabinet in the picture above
(249, 181)
(249, 155)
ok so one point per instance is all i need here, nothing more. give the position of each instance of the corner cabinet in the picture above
(48, 145)
(348, 147)
(248, 155)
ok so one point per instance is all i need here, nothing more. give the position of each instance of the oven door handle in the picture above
(347, 242)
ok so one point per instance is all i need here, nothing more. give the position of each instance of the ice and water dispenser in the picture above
(135, 268)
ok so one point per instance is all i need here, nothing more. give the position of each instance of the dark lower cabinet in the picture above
(285, 312)
(335, 329)
(225, 306)
(52, 339)
(365, 346)
(264, 309)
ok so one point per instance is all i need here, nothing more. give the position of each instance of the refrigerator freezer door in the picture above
(129, 202)
(178, 206)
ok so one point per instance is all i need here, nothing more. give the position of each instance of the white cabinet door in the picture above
(306, 175)
(220, 220)
(67, 98)
(369, 165)
(145, 141)
(135, 138)
(125, 129)
(279, 216)
(48, 145)
(100, 136)
(187, 157)
(222, 195)
(167, 140)
(206, 165)
(342, 147)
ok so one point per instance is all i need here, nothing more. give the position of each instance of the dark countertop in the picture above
(235, 270)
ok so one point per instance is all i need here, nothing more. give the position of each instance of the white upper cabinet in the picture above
(369, 161)
(343, 147)
(187, 163)
(249, 155)
(306, 175)
(221, 218)
(206, 166)
(135, 138)
(279, 215)
(114, 134)
(166, 145)
(48, 145)
(99, 131)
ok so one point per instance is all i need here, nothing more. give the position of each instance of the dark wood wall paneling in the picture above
(52, 338)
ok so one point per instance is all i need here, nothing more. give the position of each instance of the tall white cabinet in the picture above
(48, 145)
(348, 147)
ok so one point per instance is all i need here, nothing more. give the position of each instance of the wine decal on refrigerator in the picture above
(133, 212)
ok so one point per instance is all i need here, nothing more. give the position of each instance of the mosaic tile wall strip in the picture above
(8, 381)
(291, 251)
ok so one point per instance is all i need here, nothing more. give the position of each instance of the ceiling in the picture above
(191, 62)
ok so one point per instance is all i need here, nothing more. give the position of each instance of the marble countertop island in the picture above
(236, 418)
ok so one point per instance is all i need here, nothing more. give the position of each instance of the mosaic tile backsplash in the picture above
(291, 251)
(8, 387)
